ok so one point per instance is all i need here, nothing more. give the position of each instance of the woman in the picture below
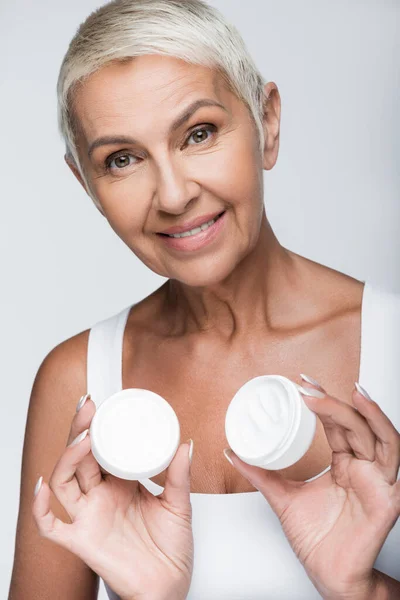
(169, 126)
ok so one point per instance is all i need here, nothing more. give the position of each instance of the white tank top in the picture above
(240, 550)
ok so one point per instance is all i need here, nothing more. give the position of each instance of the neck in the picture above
(259, 292)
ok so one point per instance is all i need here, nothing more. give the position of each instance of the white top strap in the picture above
(104, 365)
(381, 350)
(104, 356)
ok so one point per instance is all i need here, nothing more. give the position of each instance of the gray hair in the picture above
(191, 30)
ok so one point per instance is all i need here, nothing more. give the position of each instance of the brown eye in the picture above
(199, 134)
(121, 161)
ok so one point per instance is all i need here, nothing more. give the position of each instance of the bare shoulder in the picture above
(59, 383)
(339, 291)
(331, 296)
(41, 568)
(63, 368)
(347, 291)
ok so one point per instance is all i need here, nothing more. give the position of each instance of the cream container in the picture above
(134, 434)
(268, 424)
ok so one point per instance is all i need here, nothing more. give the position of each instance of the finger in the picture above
(80, 416)
(336, 436)
(177, 480)
(276, 489)
(49, 526)
(88, 472)
(63, 482)
(311, 382)
(340, 419)
(387, 452)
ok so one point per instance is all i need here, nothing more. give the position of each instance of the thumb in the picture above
(177, 478)
(277, 490)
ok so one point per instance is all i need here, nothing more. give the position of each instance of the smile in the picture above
(197, 238)
(195, 230)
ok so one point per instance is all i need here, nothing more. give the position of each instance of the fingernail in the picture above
(362, 391)
(307, 391)
(227, 453)
(82, 402)
(79, 438)
(312, 381)
(37, 486)
(190, 450)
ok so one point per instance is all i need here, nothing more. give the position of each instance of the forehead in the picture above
(143, 90)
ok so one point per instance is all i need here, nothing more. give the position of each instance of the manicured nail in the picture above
(227, 453)
(82, 402)
(362, 391)
(79, 438)
(307, 391)
(312, 381)
(38, 486)
(190, 450)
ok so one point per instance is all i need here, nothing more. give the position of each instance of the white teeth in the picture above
(193, 231)
(196, 230)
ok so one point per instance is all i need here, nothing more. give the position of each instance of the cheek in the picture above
(233, 174)
(122, 209)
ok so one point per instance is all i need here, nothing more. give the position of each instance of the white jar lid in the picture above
(134, 434)
(267, 423)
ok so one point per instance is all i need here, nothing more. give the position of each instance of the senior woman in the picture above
(169, 126)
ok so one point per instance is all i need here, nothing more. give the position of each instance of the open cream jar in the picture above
(268, 424)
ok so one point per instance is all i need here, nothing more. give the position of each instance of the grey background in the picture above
(333, 195)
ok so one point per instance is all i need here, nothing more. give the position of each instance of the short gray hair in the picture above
(191, 30)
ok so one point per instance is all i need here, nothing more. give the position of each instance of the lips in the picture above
(197, 222)
(188, 243)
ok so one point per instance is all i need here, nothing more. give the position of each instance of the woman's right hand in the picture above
(140, 544)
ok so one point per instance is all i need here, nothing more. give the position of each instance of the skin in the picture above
(243, 305)
(214, 303)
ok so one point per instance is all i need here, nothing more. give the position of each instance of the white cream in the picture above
(267, 423)
(134, 434)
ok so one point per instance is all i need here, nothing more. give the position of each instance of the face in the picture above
(151, 170)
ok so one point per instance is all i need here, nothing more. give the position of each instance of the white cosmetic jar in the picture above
(268, 424)
(134, 434)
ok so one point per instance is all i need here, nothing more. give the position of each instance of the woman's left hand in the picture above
(338, 523)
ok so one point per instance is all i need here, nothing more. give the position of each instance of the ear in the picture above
(271, 124)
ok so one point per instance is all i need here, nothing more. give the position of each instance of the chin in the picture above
(205, 272)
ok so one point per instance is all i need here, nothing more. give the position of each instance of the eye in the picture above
(119, 165)
(208, 127)
(121, 159)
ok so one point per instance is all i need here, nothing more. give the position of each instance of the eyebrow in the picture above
(107, 140)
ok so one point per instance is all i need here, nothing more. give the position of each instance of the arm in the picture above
(379, 586)
(42, 569)
(387, 588)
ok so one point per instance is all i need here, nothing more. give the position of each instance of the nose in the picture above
(175, 188)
